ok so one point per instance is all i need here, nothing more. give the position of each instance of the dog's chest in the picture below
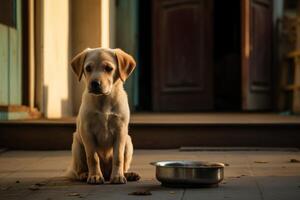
(104, 127)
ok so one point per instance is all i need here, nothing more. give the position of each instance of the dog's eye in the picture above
(88, 68)
(108, 68)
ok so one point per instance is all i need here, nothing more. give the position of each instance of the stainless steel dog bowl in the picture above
(189, 173)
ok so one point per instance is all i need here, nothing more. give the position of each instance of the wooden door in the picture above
(182, 55)
(256, 54)
(126, 39)
(10, 52)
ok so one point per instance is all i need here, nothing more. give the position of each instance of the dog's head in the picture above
(102, 67)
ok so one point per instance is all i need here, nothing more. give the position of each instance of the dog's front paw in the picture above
(95, 179)
(119, 179)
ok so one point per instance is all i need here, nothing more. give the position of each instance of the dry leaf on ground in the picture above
(40, 184)
(73, 194)
(141, 193)
(261, 162)
(5, 187)
(34, 187)
(293, 160)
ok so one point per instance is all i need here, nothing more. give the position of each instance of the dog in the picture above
(102, 149)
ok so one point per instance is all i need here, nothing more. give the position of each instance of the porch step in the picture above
(18, 112)
(165, 131)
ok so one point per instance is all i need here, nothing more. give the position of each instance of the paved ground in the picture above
(250, 175)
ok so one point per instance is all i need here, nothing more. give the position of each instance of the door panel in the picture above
(257, 63)
(7, 14)
(126, 39)
(10, 54)
(182, 67)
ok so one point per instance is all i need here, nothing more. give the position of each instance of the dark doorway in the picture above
(224, 65)
(145, 56)
(222, 69)
(227, 55)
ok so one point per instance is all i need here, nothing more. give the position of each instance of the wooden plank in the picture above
(19, 49)
(13, 66)
(18, 112)
(193, 149)
(245, 48)
(165, 119)
(15, 47)
(126, 39)
(292, 87)
(14, 108)
(293, 54)
(4, 62)
(296, 95)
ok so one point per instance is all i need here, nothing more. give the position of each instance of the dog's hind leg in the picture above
(78, 169)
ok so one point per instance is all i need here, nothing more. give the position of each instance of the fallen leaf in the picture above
(73, 194)
(5, 187)
(294, 160)
(34, 187)
(261, 162)
(141, 193)
(231, 176)
(40, 184)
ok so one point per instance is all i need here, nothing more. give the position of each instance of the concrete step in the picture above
(165, 131)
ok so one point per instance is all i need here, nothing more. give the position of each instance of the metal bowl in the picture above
(189, 173)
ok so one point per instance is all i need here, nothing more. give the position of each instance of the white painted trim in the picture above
(105, 23)
(108, 23)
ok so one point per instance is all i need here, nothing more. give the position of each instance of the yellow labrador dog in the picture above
(102, 149)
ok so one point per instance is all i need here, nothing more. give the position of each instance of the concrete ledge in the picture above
(58, 135)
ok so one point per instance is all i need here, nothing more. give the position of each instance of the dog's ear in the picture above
(126, 64)
(77, 63)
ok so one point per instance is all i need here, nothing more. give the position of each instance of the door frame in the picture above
(246, 48)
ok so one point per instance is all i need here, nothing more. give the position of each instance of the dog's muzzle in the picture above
(95, 87)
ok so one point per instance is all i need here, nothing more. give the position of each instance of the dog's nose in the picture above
(95, 85)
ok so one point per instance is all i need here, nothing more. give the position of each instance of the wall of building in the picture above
(64, 28)
(52, 96)
(56, 93)
(85, 32)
